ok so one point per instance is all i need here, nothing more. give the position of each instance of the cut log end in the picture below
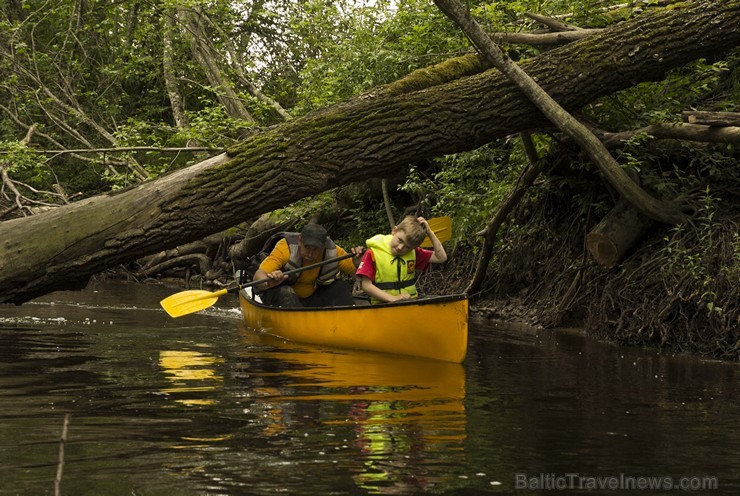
(602, 249)
(610, 240)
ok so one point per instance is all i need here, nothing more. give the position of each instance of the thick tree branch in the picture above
(543, 39)
(551, 23)
(712, 118)
(207, 59)
(170, 75)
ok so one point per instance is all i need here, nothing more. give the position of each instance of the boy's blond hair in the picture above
(415, 233)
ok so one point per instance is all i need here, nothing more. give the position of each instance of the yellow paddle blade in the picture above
(190, 301)
(442, 228)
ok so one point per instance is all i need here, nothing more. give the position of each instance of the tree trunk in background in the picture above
(257, 235)
(357, 140)
(170, 75)
(208, 60)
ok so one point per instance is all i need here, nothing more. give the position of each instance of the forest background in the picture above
(99, 96)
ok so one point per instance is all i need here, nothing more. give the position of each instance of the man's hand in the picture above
(357, 251)
(277, 277)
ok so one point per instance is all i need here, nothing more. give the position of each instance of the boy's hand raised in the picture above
(424, 224)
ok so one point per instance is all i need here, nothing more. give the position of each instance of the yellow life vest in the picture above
(394, 275)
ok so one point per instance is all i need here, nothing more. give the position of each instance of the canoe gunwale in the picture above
(425, 300)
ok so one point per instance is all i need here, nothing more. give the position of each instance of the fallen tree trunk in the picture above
(354, 141)
(619, 231)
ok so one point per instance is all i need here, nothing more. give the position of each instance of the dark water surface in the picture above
(202, 405)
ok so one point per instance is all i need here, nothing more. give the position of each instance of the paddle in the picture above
(194, 300)
(441, 227)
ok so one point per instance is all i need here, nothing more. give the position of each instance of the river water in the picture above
(203, 405)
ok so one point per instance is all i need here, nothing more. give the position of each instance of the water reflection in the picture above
(190, 371)
(403, 411)
(202, 405)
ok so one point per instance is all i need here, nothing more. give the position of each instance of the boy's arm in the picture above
(377, 293)
(440, 255)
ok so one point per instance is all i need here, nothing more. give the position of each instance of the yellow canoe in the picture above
(431, 327)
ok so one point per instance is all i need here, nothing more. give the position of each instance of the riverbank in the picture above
(679, 290)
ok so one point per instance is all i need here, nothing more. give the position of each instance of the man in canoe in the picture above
(317, 287)
(388, 269)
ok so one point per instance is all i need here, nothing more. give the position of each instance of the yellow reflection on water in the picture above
(400, 408)
(190, 372)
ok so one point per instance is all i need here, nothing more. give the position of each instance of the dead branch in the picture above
(527, 177)
(688, 132)
(60, 463)
(201, 259)
(543, 39)
(718, 119)
(551, 23)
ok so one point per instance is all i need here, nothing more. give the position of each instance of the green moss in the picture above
(444, 72)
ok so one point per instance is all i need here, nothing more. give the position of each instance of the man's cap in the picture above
(313, 235)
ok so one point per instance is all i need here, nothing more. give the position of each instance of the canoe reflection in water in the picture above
(381, 422)
(399, 408)
(190, 372)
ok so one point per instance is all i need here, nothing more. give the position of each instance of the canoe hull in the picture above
(433, 327)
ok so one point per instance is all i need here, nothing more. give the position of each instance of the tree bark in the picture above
(170, 75)
(360, 139)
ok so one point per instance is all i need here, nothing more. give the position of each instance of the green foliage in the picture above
(366, 222)
(212, 127)
(693, 261)
(661, 101)
(469, 186)
(375, 46)
(732, 270)
(24, 163)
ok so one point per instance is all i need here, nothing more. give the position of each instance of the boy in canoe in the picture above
(318, 287)
(387, 271)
